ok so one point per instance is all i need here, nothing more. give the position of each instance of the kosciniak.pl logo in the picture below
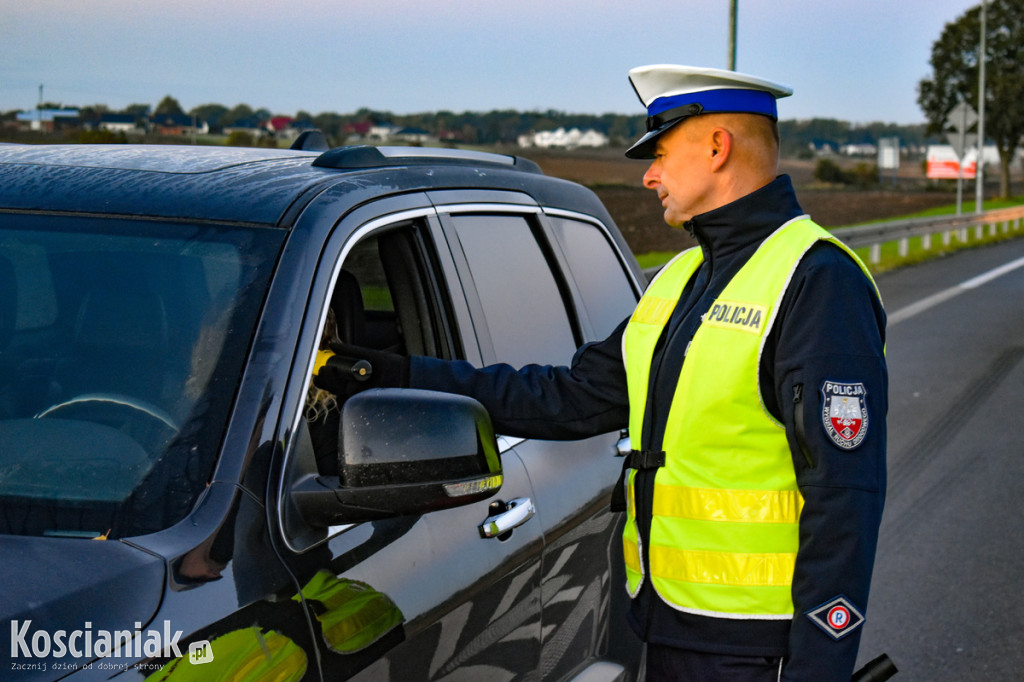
(88, 643)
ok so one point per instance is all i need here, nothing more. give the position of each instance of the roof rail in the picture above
(365, 156)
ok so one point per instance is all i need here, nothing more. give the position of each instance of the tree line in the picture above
(502, 127)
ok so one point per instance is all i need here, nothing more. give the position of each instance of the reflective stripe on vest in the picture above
(726, 508)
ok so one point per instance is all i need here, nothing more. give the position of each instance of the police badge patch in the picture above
(838, 617)
(844, 413)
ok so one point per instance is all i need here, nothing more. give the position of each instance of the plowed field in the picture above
(617, 181)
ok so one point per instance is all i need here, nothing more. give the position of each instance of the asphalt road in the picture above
(947, 600)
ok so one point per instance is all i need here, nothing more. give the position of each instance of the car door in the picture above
(604, 293)
(530, 309)
(416, 597)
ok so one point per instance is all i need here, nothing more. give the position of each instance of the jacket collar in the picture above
(747, 220)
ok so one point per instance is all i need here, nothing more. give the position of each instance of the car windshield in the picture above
(121, 346)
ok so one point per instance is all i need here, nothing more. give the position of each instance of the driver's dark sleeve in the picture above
(541, 401)
(831, 329)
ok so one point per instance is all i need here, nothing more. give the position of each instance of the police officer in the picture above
(752, 378)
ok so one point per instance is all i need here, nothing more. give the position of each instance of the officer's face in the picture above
(680, 172)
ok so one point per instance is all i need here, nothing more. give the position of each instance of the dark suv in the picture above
(164, 512)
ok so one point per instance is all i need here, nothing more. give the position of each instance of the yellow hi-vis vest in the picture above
(726, 508)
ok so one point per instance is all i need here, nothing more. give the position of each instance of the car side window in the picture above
(385, 298)
(522, 302)
(605, 289)
(388, 295)
(363, 307)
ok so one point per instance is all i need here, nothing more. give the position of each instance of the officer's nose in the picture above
(652, 178)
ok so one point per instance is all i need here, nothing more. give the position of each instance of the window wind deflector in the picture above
(311, 141)
(365, 156)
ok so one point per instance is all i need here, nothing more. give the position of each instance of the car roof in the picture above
(157, 158)
(242, 185)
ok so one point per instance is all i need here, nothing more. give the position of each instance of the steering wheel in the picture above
(145, 422)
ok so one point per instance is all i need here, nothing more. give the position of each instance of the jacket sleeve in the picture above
(829, 355)
(586, 398)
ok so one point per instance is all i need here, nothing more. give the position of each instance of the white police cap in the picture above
(672, 93)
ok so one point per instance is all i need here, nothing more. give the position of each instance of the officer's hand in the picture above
(351, 369)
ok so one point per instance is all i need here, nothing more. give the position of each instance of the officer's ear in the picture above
(720, 147)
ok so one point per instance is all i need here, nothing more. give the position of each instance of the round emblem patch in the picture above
(838, 617)
(844, 413)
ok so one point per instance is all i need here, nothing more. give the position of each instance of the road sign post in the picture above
(961, 119)
(889, 157)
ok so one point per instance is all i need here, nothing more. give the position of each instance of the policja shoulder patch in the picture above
(844, 413)
(837, 617)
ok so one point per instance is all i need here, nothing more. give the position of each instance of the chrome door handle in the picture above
(508, 515)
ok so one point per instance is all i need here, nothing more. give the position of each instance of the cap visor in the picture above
(645, 147)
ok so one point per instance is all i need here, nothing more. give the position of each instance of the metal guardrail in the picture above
(950, 226)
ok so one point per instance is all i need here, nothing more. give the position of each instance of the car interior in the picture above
(111, 349)
(379, 302)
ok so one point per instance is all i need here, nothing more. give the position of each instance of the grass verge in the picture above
(918, 249)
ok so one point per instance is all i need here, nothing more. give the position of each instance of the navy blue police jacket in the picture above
(830, 331)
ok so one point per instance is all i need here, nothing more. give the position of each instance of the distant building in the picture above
(284, 127)
(862, 149)
(249, 126)
(281, 126)
(178, 124)
(48, 120)
(566, 139)
(450, 136)
(359, 129)
(388, 132)
(382, 131)
(120, 123)
(823, 147)
(412, 135)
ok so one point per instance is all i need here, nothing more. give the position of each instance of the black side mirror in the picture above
(404, 451)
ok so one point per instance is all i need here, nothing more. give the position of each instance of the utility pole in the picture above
(732, 34)
(979, 176)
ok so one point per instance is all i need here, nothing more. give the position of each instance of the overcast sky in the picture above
(856, 60)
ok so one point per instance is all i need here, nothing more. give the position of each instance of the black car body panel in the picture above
(149, 488)
(85, 592)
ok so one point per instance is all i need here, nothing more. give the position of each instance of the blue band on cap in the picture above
(711, 101)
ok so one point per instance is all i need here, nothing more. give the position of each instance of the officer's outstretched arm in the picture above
(541, 401)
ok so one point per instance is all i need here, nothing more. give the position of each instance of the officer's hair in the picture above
(758, 134)
(756, 137)
(764, 128)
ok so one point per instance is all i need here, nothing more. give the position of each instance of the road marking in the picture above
(946, 294)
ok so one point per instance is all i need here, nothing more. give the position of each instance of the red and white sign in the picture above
(943, 163)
